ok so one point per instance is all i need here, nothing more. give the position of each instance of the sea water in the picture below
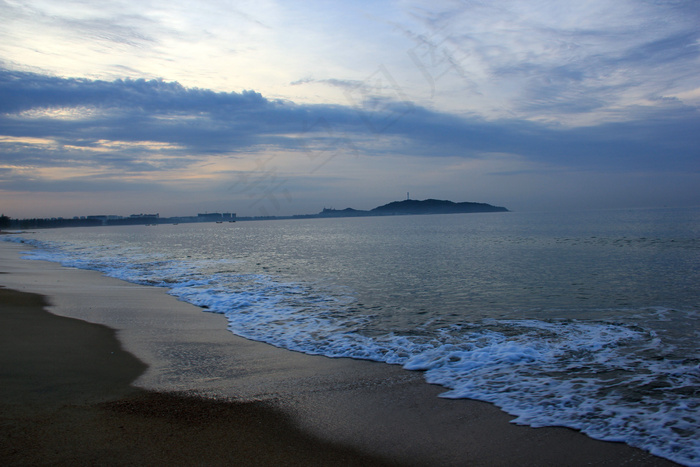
(588, 320)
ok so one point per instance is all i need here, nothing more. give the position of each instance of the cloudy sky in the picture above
(281, 107)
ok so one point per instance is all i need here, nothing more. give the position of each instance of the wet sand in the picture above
(98, 371)
(66, 399)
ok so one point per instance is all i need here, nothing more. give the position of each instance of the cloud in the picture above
(575, 64)
(124, 124)
(340, 83)
(20, 91)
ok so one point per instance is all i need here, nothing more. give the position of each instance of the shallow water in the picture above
(588, 320)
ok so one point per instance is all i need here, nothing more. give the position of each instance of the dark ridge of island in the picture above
(414, 206)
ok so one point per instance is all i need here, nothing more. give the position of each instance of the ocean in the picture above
(589, 320)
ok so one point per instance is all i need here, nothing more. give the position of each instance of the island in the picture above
(413, 207)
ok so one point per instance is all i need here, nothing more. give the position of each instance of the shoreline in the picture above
(371, 409)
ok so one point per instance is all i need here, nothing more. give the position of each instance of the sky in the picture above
(283, 107)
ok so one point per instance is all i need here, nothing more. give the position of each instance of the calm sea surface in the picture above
(587, 320)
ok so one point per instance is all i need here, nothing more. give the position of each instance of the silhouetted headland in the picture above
(414, 206)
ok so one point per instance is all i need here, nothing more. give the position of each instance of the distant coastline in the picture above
(395, 208)
(414, 207)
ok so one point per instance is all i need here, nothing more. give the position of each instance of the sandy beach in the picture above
(99, 371)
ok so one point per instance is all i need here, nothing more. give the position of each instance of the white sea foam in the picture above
(614, 381)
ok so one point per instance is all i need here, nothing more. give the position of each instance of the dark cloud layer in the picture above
(202, 122)
(23, 91)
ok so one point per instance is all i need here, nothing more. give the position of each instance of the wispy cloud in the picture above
(557, 60)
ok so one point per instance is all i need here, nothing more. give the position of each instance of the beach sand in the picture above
(118, 373)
